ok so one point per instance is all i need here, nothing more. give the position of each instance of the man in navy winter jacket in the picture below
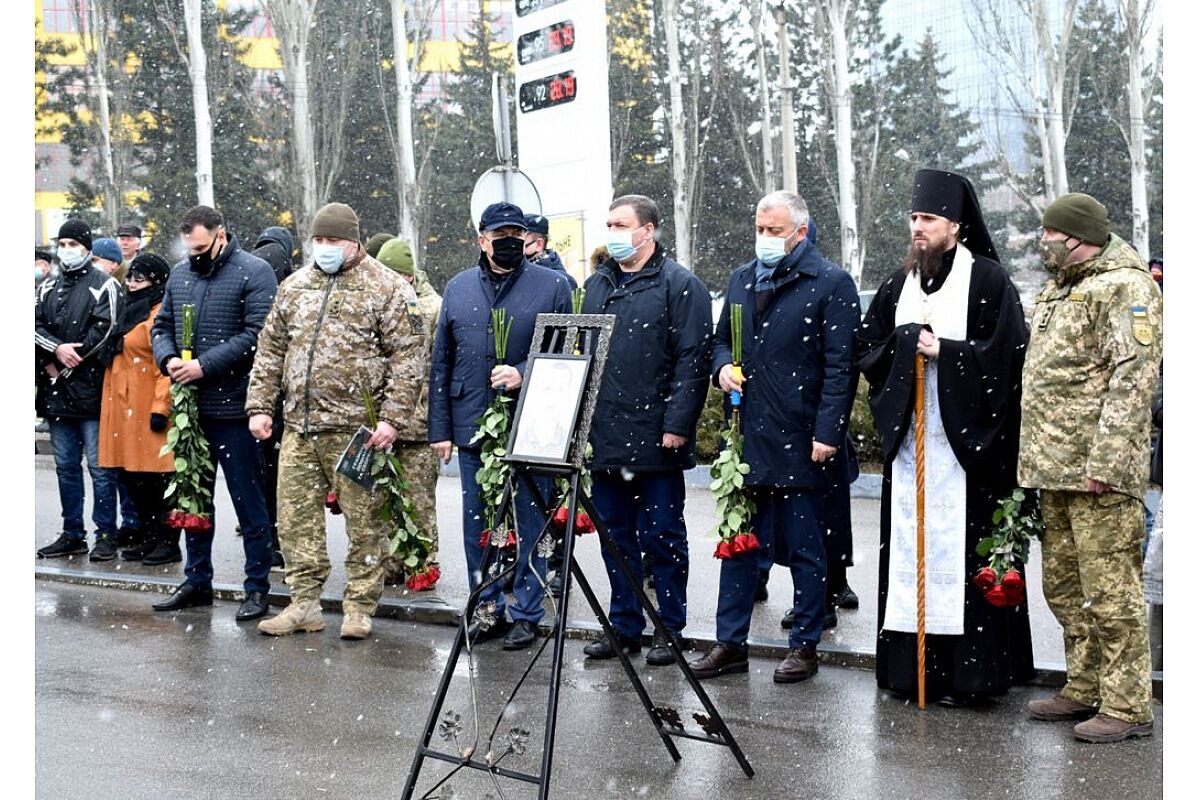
(232, 292)
(464, 379)
(799, 315)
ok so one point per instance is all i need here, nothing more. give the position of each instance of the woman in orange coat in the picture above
(135, 411)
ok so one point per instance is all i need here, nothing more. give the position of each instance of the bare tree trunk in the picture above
(292, 20)
(679, 142)
(787, 110)
(839, 18)
(1054, 64)
(1135, 25)
(198, 70)
(406, 169)
(98, 14)
(770, 180)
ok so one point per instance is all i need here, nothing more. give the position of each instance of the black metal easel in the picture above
(556, 334)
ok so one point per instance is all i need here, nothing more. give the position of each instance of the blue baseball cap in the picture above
(502, 215)
(108, 249)
(536, 223)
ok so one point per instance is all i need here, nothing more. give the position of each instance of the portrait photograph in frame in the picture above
(553, 392)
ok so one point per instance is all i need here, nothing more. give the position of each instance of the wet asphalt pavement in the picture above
(134, 704)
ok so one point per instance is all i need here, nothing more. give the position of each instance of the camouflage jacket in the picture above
(330, 336)
(1090, 374)
(429, 303)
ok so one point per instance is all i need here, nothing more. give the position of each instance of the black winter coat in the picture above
(81, 305)
(231, 302)
(655, 379)
(274, 246)
(798, 363)
(551, 260)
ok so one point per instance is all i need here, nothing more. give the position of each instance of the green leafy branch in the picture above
(1016, 521)
(410, 546)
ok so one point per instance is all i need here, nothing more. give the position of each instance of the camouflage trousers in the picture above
(420, 473)
(1092, 578)
(306, 474)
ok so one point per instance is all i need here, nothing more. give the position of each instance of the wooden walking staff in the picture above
(919, 435)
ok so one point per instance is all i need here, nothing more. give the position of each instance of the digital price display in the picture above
(529, 6)
(546, 42)
(553, 90)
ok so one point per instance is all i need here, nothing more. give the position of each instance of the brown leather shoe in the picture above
(799, 665)
(720, 660)
(1102, 729)
(1059, 709)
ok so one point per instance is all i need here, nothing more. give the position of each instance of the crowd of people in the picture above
(288, 363)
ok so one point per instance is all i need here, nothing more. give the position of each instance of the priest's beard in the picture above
(926, 260)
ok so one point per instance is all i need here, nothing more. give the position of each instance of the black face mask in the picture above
(202, 263)
(509, 252)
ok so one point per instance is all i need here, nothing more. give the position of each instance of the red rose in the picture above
(583, 523)
(485, 537)
(331, 502)
(738, 545)
(561, 516)
(996, 596)
(1014, 587)
(511, 541)
(984, 579)
(724, 550)
(173, 520)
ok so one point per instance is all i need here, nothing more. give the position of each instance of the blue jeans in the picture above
(527, 591)
(129, 510)
(644, 512)
(237, 452)
(71, 438)
(788, 523)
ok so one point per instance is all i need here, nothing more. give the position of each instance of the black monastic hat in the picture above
(952, 196)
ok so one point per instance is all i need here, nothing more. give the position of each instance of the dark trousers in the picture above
(787, 523)
(129, 506)
(75, 440)
(644, 513)
(237, 453)
(146, 490)
(269, 450)
(527, 586)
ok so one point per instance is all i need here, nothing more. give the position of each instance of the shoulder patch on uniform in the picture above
(415, 323)
(1079, 297)
(1142, 331)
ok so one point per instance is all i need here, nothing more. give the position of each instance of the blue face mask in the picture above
(329, 257)
(771, 249)
(620, 245)
(71, 257)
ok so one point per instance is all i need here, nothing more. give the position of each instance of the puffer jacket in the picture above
(330, 337)
(232, 302)
(1090, 376)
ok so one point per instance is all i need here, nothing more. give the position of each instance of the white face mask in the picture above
(71, 257)
(329, 257)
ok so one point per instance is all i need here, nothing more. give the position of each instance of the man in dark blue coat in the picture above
(644, 430)
(465, 378)
(799, 315)
(537, 247)
(232, 292)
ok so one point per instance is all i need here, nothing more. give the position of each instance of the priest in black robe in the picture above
(953, 302)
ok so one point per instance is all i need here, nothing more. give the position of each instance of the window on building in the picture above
(62, 16)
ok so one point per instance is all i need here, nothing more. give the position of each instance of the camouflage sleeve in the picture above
(266, 375)
(1129, 333)
(404, 347)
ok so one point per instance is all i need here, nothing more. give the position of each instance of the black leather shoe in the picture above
(800, 664)
(603, 649)
(185, 596)
(254, 606)
(760, 591)
(720, 660)
(846, 598)
(522, 634)
(64, 545)
(659, 654)
(789, 619)
(477, 635)
(555, 585)
(165, 552)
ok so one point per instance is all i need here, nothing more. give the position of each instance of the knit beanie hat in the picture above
(108, 249)
(1079, 215)
(150, 266)
(377, 241)
(336, 221)
(78, 230)
(397, 255)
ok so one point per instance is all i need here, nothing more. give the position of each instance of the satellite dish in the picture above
(504, 184)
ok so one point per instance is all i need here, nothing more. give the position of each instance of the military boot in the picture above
(1059, 708)
(302, 615)
(356, 624)
(1102, 729)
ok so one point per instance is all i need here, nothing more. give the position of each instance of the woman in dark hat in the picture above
(135, 412)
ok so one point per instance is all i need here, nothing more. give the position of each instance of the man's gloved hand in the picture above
(158, 422)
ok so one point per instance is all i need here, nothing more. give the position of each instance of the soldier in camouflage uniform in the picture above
(338, 326)
(1089, 377)
(419, 462)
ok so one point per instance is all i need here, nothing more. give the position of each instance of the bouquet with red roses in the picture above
(1016, 521)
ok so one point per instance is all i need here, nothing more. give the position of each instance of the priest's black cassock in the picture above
(976, 386)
